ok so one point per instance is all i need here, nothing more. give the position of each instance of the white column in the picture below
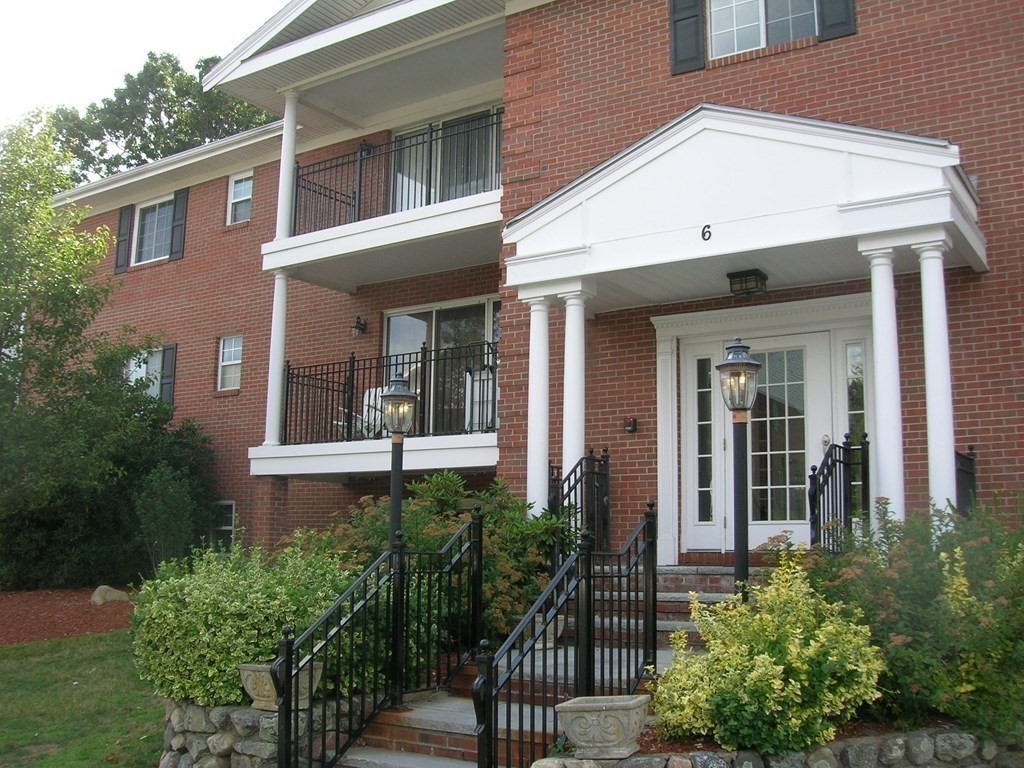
(275, 371)
(574, 382)
(938, 386)
(286, 173)
(887, 436)
(537, 440)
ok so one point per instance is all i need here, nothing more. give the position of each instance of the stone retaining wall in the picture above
(218, 737)
(930, 748)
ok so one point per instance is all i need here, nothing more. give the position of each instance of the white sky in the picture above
(74, 52)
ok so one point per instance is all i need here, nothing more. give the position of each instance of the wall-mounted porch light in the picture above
(749, 282)
(358, 327)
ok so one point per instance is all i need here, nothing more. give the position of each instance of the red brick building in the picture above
(533, 210)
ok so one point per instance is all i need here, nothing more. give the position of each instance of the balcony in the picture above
(440, 162)
(427, 201)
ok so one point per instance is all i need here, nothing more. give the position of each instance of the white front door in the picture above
(792, 420)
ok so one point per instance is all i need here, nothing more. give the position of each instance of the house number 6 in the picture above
(705, 232)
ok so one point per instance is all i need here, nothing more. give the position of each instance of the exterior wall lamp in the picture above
(738, 377)
(399, 404)
(749, 282)
(358, 327)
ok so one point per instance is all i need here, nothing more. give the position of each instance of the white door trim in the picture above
(671, 331)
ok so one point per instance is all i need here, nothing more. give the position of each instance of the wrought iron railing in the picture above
(591, 632)
(838, 491)
(456, 391)
(440, 162)
(408, 623)
(966, 480)
(582, 497)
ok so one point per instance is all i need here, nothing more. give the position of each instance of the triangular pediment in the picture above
(726, 181)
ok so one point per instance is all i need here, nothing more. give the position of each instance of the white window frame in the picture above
(136, 231)
(233, 201)
(140, 368)
(762, 28)
(223, 365)
(211, 540)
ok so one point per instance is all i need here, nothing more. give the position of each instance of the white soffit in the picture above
(721, 181)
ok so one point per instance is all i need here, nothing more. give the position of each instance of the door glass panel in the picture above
(704, 440)
(777, 437)
(855, 409)
(412, 168)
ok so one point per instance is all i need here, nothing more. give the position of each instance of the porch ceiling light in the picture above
(738, 374)
(358, 327)
(749, 282)
(399, 404)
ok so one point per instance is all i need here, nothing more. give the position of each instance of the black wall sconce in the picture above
(358, 327)
(629, 425)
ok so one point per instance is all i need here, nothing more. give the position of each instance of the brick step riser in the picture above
(452, 746)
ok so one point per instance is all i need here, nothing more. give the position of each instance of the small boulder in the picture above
(104, 594)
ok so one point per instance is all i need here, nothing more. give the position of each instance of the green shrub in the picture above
(944, 597)
(516, 546)
(197, 620)
(780, 672)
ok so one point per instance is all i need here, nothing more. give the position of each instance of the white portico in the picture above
(807, 202)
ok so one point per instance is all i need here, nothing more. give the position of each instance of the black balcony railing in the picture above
(456, 390)
(438, 163)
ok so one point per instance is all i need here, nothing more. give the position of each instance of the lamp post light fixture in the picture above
(738, 376)
(399, 405)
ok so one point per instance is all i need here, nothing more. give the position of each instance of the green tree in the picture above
(77, 440)
(160, 111)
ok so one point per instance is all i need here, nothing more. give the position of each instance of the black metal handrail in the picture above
(456, 390)
(406, 624)
(583, 497)
(966, 480)
(438, 163)
(839, 490)
(606, 603)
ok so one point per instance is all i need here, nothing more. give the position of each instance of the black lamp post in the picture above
(738, 374)
(399, 404)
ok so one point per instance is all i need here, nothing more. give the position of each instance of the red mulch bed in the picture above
(48, 614)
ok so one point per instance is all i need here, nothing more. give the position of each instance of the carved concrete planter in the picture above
(259, 684)
(603, 726)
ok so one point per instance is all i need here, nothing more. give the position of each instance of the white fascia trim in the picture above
(518, 6)
(339, 33)
(263, 35)
(798, 130)
(420, 454)
(174, 162)
(717, 324)
(406, 226)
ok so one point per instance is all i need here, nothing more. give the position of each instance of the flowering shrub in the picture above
(944, 597)
(780, 672)
(199, 618)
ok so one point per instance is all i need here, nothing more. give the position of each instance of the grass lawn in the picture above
(77, 702)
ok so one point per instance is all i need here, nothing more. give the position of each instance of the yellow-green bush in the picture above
(780, 672)
(197, 620)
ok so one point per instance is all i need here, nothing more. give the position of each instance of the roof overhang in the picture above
(722, 189)
(365, 65)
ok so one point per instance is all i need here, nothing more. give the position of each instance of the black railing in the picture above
(591, 632)
(838, 491)
(456, 389)
(438, 163)
(966, 480)
(582, 497)
(407, 624)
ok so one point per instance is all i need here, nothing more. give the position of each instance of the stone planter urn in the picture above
(259, 684)
(603, 726)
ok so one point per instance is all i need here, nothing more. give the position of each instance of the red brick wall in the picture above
(584, 80)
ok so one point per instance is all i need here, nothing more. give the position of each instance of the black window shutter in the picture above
(167, 373)
(178, 224)
(836, 18)
(687, 35)
(125, 218)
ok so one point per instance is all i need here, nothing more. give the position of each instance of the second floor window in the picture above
(154, 228)
(156, 367)
(229, 370)
(743, 25)
(240, 197)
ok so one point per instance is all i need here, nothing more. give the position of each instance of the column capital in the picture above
(879, 255)
(931, 248)
(537, 301)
